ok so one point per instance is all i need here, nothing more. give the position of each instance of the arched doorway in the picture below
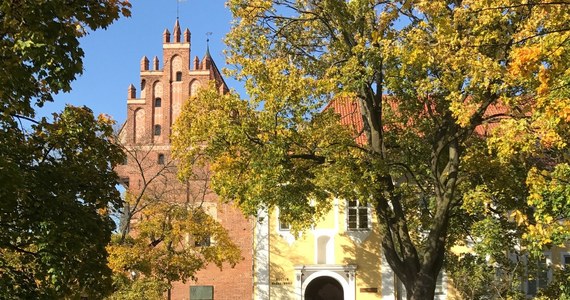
(324, 288)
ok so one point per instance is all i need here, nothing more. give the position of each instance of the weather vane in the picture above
(208, 34)
(178, 7)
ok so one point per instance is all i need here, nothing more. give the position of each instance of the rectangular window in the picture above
(357, 216)
(284, 225)
(157, 102)
(566, 260)
(537, 272)
(202, 241)
(201, 292)
(157, 130)
(160, 159)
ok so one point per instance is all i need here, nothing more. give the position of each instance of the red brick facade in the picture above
(148, 127)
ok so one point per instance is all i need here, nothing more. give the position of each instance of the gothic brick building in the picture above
(150, 117)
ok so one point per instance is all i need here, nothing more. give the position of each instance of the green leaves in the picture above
(450, 106)
(40, 47)
(281, 156)
(55, 227)
(168, 246)
(56, 179)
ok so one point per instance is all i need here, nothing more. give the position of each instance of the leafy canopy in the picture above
(56, 179)
(463, 112)
(39, 46)
(57, 184)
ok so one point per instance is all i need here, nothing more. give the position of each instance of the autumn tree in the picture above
(168, 230)
(40, 47)
(56, 178)
(57, 184)
(464, 122)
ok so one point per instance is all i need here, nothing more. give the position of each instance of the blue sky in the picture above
(112, 56)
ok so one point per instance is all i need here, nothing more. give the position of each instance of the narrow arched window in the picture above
(143, 88)
(160, 160)
(157, 129)
(178, 76)
(157, 102)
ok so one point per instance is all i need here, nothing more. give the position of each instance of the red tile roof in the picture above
(350, 115)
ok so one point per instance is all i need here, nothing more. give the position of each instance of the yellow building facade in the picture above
(338, 258)
(542, 274)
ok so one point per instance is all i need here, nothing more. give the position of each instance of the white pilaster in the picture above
(261, 257)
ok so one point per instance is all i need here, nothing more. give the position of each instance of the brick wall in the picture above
(138, 134)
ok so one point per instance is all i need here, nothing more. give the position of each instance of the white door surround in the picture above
(344, 274)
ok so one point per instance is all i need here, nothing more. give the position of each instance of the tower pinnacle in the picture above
(176, 31)
(166, 37)
(187, 36)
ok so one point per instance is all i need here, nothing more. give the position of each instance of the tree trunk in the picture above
(417, 271)
(422, 288)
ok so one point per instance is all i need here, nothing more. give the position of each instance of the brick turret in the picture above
(176, 32)
(155, 64)
(187, 36)
(132, 93)
(166, 36)
(196, 63)
(207, 60)
(144, 64)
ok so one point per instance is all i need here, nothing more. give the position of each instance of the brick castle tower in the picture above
(150, 116)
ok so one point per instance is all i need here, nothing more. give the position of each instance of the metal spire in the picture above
(208, 34)
(178, 8)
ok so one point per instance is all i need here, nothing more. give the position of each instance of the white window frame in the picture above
(283, 226)
(211, 209)
(283, 232)
(358, 207)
